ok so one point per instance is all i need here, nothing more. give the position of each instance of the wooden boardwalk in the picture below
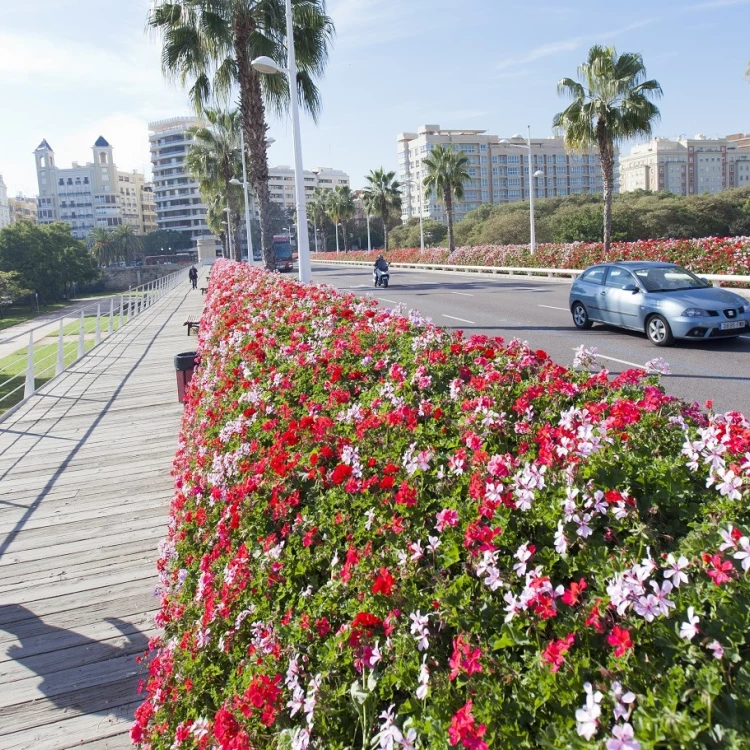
(85, 487)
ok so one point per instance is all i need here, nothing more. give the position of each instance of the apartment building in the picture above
(4, 207)
(148, 208)
(177, 198)
(498, 169)
(94, 194)
(687, 166)
(281, 183)
(22, 209)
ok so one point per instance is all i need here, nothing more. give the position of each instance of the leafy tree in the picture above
(165, 242)
(318, 210)
(446, 175)
(128, 244)
(103, 245)
(382, 194)
(11, 290)
(210, 45)
(341, 208)
(611, 105)
(213, 160)
(407, 235)
(47, 258)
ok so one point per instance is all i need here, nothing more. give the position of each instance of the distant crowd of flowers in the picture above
(716, 255)
(385, 535)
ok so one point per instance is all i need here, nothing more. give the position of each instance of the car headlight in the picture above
(694, 312)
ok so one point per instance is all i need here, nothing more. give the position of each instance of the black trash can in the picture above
(184, 364)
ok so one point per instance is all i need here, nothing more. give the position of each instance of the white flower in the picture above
(622, 700)
(647, 607)
(717, 649)
(587, 717)
(584, 357)
(561, 543)
(729, 485)
(661, 596)
(623, 739)
(433, 542)
(523, 555)
(370, 519)
(675, 570)
(375, 656)
(658, 365)
(424, 679)
(420, 630)
(689, 629)
(200, 728)
(583, 530)
(743, 555)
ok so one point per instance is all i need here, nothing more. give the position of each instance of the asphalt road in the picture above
(537, 312)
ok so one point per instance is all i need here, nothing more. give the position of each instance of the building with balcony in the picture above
(22, 209)
(148, 208)
(4, 207)
(498, 169)
(94, 194)
(281, 183)
(687, 166)
(178, 203)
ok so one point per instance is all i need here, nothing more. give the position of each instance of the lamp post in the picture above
(336, 229)
(316, 172)
(229, 231)
(421, 210)
(266, 65)
(532, 186)
(367, 216)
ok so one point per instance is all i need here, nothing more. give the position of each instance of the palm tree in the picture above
(611, 104)
(318, 208)
(213, 159)
(446, 175)
(210, 44)
(382, 195)
(341, 208)
(127, 242)
(102, 245)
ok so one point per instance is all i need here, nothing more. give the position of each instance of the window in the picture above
(483, 147)
(484, 171)
(619, 278)
(594, 275)
(513, 170)
(514, 193)
(513, 159)
(514, 181)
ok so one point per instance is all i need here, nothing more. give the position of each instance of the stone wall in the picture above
(122, 279)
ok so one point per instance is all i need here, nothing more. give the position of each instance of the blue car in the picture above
(663, 300)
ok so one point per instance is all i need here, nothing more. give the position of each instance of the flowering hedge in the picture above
(727, 255)
(385, 535)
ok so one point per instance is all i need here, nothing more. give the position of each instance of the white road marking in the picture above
(463, 294)
(552, 307)
(621, 361)
(525, 289)
(392, 301)
(362, 286)
(463, 320)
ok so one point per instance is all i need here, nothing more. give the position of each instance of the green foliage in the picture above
(166, 242)
(407, 235)
(46, 258)
(382, 196)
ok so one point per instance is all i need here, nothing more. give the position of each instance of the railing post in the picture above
(110, 325)
(137, 304)
(28, 389)
(60, 363)
(98, 331)
(81, 334)
(122, 299)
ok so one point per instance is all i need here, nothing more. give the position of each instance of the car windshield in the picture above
(668, 279)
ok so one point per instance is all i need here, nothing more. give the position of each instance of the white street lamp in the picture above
(316, 172)
(532, 185)
(336, 229)
(421, 210)
(268, 66)
(369, 243)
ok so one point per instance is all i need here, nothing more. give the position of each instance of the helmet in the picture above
(380, 256)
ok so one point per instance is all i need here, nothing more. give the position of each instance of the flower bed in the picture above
(727, 255)
(384, 535)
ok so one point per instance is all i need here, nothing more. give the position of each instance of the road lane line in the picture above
(463, 294)
(463, 320)
(385, 299)
(552, 307)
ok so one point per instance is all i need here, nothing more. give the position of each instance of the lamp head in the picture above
(267, 65)
(235, 181)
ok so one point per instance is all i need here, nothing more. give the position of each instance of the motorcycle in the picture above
(382, 278)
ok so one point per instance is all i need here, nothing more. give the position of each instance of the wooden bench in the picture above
(192, 321)
(204, 289)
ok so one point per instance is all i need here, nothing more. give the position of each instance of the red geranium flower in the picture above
(383, 583)
(620, 639)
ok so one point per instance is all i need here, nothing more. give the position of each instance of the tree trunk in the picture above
(343, 233)
(254, 126)
(607, 158)
(449, 215)
(385, 231)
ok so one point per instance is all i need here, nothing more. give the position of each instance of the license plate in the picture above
(730, 326)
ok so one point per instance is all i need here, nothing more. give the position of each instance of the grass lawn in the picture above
(16, 314)
(89, 325)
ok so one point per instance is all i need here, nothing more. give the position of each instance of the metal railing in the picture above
(514, 270)
(56, 345)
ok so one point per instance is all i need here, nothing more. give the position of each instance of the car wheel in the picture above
(580, 316)
(658, 331)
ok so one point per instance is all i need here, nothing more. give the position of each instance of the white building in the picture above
(4, 208)
(687, 166)
(95, 194)
(281, 183)
(499, 172)
(179, 205)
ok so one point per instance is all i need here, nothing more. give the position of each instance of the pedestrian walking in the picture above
(193, 276)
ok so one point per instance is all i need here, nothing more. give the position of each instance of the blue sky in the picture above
(71, 70)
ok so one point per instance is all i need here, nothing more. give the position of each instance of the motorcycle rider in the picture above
(381, 266)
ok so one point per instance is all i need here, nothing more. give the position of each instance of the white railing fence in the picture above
(514, 270)
(57, 345)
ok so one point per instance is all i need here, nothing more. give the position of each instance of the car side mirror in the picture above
(632, 288)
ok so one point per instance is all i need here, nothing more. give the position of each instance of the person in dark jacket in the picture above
(193, 276)
(381, 265)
